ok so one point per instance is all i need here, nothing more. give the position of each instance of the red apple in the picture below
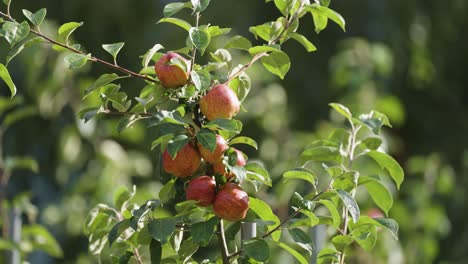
(201, 189)
(171, 76)
(213, 156)
(184, 164)
(220, 102)
(231, 203)
(218, 166)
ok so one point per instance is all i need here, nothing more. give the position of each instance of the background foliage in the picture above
(403, 58)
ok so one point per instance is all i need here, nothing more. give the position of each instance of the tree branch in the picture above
(222, 242)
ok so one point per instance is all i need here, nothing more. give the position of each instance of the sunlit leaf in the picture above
(5, 75)
(176, 21)
(277, 63)
(350, 204)
(390, 164)
(37, 17)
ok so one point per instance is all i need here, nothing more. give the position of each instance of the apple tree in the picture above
(213, 190)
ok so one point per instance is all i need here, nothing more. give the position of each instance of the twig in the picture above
(222, 242)
(92, 58)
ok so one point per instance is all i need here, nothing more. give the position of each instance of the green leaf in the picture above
(267, 31)
(102, 81)
(372, 143)
(162, 229)
(125, 258)
(309, 46)
(176, 144)
(388, 163)
(263, 48)
(207, 139)
(328, 256)
(201, 79)
(200, 38)
(299, 257)
(187, 249)
(389, 224)
(302, 239)
(225, 124)
(342, 110)
(37, 17)
(342, 241)
(16, 163)
(365, 236)
(200, 5)
(15, 32)
(113, 49)
(203, 232)
(277, 63)
(316, 9)
(155, 251)
(240, 85)
(89, 113)
(122, 195)
(161, 140)
(300, 174)
(320, 21)
(141, 212)
(41, 239)
(5, 75)
(256, 172)
(67, 29)
(321, 153)
(350, 203)
(18, 48)
(238, 42)
(374, 120)
(76, 60)
(298, 201)
(167, 192)
(380, 194)
(117, 230)
(282, 6)
(336, 218)
(173, 8)
(176, 21)
(7, 2)
(244, 140)
(8, 245)
(217, 31)
(257, 249)
(150, 54)
(265, 213)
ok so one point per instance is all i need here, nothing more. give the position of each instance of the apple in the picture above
(231, 203)
(213, 156)
(171, 76)
(220, 102)
(218, 166)
(201, 189)
(186, 162)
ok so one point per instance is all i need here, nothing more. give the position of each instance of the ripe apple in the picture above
(171, 76)
(220, 102)
(218, 166)
(211, 157)
(185, 163)
(201, 189)
(231, 203)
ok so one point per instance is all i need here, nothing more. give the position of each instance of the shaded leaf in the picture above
(117, 230)
(162, 229)
(238, 42)
(18, 48)
(294, 253)
(207, 139)
(302, 239)
(264, 212)
(176, 144)
(335, 215)
(350, 203)
(41, 239)
(257, 249)
(15, 32)
(200, 5)
(173, 8)
(76, 60)
(202, 232)
(388, 163)
(301, 174)
(15, 163)
(155, 251)
(37, 17)
(321, 153)
(5, 75)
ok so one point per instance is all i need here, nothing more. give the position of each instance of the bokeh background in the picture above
(407, 59)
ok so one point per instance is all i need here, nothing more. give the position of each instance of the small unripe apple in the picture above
(231, 203)
(201, 189)
(220, 102)
(213, 156)
(375, 213)
(171, 76)
(219, 168)
(184, 164)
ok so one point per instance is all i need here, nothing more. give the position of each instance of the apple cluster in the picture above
(229, 201)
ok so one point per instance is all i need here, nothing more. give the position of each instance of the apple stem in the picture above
(222, 242)
(92, 58)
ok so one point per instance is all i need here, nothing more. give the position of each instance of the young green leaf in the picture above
(299, 257)
(365, 236)
(217, 31)
(309, 46)
(350, 203)
(37, 17)
(328, 256)
(203, 232)
(76, 61)
(15, 32)
(173, 8)
(176, 21)
(374, 120)
(257, 249)
(321, 153)
(336, 219)
(162, 229)
(329, 13)
(102, 81)
(5, 75)
(301, 174)
(113, 49)
(238, 42)
(302, 239)
(258, 173)
(244, 140)
(200, 38)
(342, 110)
(201, 79)
(380, 194)
(388, 163)
(264, 48)
(277, 63)
(342, 241)
(7, 2)
(67, 29)
(150, 54)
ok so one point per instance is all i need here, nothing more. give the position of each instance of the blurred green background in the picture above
(407, 59)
